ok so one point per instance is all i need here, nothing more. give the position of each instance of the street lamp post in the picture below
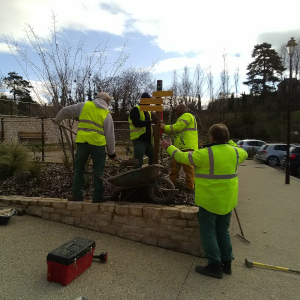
(291, 45)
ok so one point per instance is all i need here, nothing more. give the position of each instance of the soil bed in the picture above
(54, 182)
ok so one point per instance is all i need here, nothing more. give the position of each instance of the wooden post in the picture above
(43, 140)
(2, 129)
(157, 128)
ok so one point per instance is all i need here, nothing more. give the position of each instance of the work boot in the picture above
(226, 267)
(72, 198)
(212, 270)
(102, 199)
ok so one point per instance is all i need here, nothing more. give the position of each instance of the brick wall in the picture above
(174, 228)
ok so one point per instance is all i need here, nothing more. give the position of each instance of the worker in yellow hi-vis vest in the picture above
(95, 132)
(141, 133)
(216, 192)
(186, 139)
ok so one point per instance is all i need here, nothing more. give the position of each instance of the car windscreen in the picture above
(239, 143)
(264, 147)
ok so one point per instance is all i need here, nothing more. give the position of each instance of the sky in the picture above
(166, 35)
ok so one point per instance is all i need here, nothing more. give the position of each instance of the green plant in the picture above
(13, 157)
(35, 168)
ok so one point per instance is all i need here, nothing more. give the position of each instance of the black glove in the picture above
(154, 120)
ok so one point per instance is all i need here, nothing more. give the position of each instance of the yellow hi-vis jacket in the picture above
(136, 132)
(216, 181)
(90, 127)
(186, 133)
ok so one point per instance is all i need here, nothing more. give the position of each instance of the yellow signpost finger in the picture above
(152, 100)
(162, 94)
(151, 107)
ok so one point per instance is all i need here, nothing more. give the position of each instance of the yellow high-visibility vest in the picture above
(136, 132)
(216, 181)
(90, 127)
(186, 133)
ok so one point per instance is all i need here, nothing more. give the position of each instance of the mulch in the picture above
(54, 182)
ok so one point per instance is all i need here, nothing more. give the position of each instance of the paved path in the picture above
(269, 212)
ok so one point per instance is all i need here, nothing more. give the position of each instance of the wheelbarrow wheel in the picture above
(162, 197)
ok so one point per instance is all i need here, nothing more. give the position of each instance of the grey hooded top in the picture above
(108, 126)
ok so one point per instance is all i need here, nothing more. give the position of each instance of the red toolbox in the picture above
(70, 260)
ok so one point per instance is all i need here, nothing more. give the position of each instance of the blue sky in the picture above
(172, 34)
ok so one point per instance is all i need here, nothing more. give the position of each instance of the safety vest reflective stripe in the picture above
(212, 167)
(135, 130)
(185, 121)
(188, 129)
(91, 122)
(93, 130)
(190, 157)
(174, 152)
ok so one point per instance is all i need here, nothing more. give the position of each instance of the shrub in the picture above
(13, 157)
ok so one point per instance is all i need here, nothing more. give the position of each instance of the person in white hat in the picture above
(95, 132)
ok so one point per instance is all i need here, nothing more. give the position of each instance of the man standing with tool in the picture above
(141, 133)
(186, 139)
(216, 195)
(95, 131)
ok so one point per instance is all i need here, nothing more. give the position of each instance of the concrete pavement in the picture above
(269, 212)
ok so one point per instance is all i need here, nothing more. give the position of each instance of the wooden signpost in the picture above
(155, 104)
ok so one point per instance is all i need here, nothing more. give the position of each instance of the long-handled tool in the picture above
(250, 264)
(242, 236)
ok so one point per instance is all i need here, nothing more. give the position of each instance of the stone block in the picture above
(170, 212)
(179, 237)
(121, 220)
(45, 215)
(152, 214)
(130, 236)
(188, 213)
(108, 230)
(55, 217)
(90, 207)
(107, 207)
(177, 222)
(104, 217)
(193, 224)
(136, 210)
(48, 209)
(34, 211)
(65, 212)
(68, 220)
(168, 244)
(72, 205)
(189, 231)
(121, 210)
(150, 240)
(102, 223)
(59, 204)
(45, 203)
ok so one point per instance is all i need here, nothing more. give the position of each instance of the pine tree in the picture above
(18, 86)
(263, 72)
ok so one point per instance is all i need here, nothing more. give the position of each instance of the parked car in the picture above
(271, 154)
(251, 146)
(294, 160)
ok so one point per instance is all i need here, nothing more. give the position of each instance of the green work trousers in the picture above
(215, 236)
(140, 149)
(84, 150)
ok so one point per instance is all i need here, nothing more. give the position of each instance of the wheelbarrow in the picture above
(161, 190)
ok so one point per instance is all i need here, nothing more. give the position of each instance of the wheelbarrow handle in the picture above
(91, 173)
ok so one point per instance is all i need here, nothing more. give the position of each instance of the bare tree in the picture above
(63, 71)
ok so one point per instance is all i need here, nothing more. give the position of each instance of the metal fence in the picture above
(44, 139)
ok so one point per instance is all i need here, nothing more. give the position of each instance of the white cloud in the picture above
(184, 26)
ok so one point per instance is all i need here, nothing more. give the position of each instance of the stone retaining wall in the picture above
(173, 228)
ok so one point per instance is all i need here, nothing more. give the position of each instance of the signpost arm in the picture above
(157, 128)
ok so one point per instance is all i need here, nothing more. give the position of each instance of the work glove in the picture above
(162, 125)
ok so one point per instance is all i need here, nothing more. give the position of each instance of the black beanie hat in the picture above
(145, 95)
